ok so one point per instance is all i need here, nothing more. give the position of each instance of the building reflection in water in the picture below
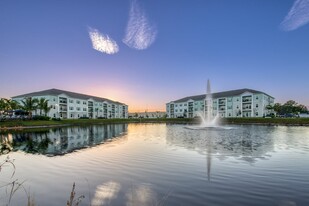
(57, 141)
(247, 144)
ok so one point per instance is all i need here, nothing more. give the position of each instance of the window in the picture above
(84, 102)
(185, 105)
(84, 109)
(71, 115)
(181, 110)
(71, 108)
(77, 102)
(176, 110)
(256, 114)
(71, 100)
(257, 97)
(257, 105)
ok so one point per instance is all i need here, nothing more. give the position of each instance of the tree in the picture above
(290, 107)
(29, 104)
(2, 104)
(12, 104)
(41, 104)
(46, 108)
(8, 104)
(301, 109)
(277, 108)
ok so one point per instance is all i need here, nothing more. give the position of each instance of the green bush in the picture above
(84, 118)
(40, 118)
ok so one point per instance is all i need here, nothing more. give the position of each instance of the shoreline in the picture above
(20, 125)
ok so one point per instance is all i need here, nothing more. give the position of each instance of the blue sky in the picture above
(165, 50)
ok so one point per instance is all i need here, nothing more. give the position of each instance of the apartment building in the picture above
(234, 103)
(71, 105)
(146, 114)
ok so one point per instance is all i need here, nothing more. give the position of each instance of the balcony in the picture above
(247, 99)
(246, 108)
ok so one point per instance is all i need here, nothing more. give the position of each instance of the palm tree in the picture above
(46, 108)
(12, 104)
(41, 104)
(29, 104)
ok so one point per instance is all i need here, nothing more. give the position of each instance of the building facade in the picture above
(146, 114)
(71, 105)
(234, 103)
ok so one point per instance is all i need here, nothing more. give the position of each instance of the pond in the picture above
(158, 164)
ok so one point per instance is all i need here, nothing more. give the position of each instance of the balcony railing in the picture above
(247, 100)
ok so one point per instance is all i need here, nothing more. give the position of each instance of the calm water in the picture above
(159, 164)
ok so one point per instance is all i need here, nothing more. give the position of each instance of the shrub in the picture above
(84, 118)
(40, 118)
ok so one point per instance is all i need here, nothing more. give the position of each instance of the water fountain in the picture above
(208, 120)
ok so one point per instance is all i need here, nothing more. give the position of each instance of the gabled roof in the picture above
(55, 92)
(220, 95)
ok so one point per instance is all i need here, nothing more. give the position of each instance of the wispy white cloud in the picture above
(140, 34)
(297, 16)
(102, 43)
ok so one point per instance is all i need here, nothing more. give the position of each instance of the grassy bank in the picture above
(268, 121)
(69, 122)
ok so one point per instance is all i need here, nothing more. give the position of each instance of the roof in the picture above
(56, 92)
(220, 95)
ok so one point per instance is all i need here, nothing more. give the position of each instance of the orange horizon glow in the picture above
(124, 95)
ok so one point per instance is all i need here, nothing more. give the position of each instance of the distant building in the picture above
(234, 103)
(71, 105)
(145, 114)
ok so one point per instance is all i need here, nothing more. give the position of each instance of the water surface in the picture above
(160, 164)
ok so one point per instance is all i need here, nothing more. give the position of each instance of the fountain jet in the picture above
(207, 119)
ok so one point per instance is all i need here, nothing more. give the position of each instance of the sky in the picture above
(146, 53)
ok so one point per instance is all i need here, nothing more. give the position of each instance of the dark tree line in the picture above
(290, 107)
